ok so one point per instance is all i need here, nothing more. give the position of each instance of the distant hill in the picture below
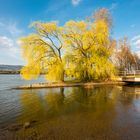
(10, 69)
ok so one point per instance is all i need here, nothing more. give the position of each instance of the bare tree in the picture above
(125, 58)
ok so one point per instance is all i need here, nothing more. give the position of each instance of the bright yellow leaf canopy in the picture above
(78, 49)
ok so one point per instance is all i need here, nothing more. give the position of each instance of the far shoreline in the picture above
(9, 72)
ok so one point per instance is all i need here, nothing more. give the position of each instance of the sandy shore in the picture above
(65, 84)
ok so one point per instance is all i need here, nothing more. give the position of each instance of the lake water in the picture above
(72, 113)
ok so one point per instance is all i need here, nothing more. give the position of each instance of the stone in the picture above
(26, 125)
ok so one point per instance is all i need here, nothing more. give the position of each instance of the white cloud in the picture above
(11, 28)
(135, 41)
(138, 53)
(8, 47)
(135, 37)
(75, 2)
(5, 42)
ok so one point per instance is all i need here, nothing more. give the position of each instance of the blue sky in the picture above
(16, 15)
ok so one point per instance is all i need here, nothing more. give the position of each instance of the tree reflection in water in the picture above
(77, 113)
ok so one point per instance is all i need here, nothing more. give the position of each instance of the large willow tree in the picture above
(90, 47)
(80, 49)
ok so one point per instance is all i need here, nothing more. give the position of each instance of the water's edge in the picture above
(58, 85)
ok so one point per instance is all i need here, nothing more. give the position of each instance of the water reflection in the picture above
(65, 101)
(80, 113)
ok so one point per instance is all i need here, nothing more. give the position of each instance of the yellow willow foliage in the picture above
(102, 32)
(33, 51)
(42, 28)
(55, 72)
(104, 68)
(30, 71)
(32, 47)
(75, 26)
(90, 50)
(78, 49)
(42, 53)
(87, 40)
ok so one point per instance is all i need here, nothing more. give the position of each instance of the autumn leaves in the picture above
(78, 49)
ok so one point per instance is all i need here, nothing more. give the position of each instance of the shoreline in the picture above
(72, 84)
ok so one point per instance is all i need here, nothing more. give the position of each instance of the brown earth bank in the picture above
(68, 84)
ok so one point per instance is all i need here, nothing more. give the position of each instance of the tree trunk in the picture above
(62, 78)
